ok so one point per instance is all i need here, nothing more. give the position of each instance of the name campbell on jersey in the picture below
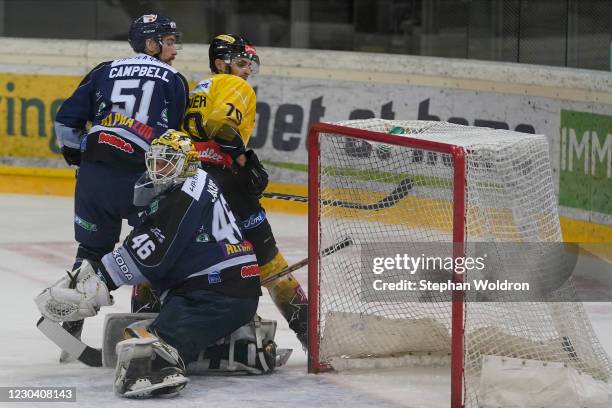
(128, 102)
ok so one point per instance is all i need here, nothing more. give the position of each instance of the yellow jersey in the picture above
(221, 109)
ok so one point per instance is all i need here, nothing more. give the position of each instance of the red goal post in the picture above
(319, 130)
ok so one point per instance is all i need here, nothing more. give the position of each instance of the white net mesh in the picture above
(406, 199)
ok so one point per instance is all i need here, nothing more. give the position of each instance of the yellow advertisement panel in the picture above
(28, 104)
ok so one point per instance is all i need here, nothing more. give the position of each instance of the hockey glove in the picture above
(60, 303)
(227, 137)
(72, 156)
(255, 174)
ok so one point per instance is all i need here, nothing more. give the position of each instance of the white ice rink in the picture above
(37, 246)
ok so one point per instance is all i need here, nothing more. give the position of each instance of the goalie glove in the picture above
(254, 173)
(60, 303)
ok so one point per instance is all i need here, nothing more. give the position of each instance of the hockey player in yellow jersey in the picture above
(221, 112)
(220, 118)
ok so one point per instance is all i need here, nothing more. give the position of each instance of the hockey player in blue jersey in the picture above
(129, 103)
(190, 250)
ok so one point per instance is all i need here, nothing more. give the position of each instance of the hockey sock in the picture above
(288, 296)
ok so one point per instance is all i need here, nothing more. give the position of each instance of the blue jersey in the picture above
(188, 238)
(129, 102)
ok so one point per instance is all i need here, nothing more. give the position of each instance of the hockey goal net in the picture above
(435, 183)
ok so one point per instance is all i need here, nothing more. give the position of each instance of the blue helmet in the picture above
(151, 26)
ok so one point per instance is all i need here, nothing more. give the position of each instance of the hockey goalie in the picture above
(189, 249)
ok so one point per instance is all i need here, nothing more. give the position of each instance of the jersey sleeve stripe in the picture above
(225, 264)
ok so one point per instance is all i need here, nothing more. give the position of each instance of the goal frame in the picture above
(319, 130)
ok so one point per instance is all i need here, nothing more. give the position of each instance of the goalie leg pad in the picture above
(147, 366)
(249, 350)
(194, 320)
(114, 332)
(246, 359)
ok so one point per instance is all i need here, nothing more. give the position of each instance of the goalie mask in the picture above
(170, 160)
(232, 49)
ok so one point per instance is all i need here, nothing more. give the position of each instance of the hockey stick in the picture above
(327, 251)
(391, 199)
(74, 328)
(66, 341)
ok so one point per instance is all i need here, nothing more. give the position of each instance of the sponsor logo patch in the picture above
(249, 271)
(164, 115)
(203, 86)
(122, 266)
(212, 189)
(253, 221)
(153, 207)
(237, 249)
(115, 119)
(249, 49)
(214, 277)
(210, 152)
(158, 234)
(86, 225)
(225, 38)
(116, 142)
(202, 235)
(149, 18)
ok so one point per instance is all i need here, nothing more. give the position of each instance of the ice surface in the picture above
(36, 247)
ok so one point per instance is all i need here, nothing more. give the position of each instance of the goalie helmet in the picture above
(151, 26)
(228, 47)
(171, 159)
